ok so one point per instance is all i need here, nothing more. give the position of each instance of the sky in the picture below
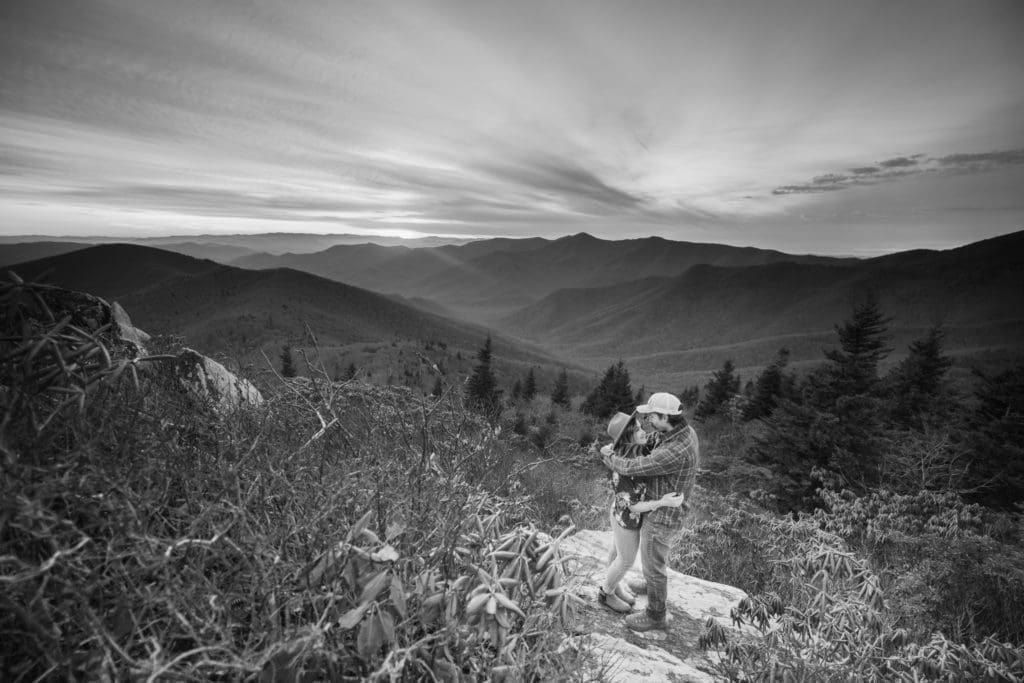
(808, 126)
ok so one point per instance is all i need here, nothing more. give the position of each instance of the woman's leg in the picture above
(627, 543)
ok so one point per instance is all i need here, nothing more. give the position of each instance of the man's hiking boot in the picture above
(638, 586)
(613, 602)
(641, 622)
(624, 594)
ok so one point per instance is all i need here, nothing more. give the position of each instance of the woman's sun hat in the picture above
(661, 402)
(618, 426)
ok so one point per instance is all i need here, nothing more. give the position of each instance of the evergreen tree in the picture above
(639, 398)
(350, 372)
(723, 385)
(863, 343)
(287, 362)
(560, 392)
(612, 394)
(689, 396)
(995, 440)
(837, 430)
(917, 382)
(768, 388)
(517, 390)
(530, 386)
(438, 388)
(795, 445)
(482, 393)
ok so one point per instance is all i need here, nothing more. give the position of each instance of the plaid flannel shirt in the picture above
(670, 467)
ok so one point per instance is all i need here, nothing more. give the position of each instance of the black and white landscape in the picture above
(313, 314)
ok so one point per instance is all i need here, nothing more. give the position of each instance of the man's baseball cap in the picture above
(661, 402)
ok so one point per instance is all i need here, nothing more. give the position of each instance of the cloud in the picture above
(904, 167)
(984, 160)
(900, 162)
(569, 182)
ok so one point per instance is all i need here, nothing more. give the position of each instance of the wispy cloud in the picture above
(901, 162)
(686, 120)
(567, 183)
(905, 167)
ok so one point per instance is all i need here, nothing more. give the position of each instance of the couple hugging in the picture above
(654, 470)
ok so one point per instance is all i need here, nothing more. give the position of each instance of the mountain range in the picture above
(710, 313)
(228, 310)
(233, 246)
(674, 311)
(489, 279)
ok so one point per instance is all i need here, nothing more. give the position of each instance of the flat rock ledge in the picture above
(620, 655)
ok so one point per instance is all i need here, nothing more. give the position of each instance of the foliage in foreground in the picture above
(862, 591)
(339, 532)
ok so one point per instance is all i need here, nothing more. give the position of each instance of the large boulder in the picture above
(124, 328)
(619, 654)
(92, 314)
(110, 323)
(206, 377)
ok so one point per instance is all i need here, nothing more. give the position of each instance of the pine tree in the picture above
(838, 423)
(482, 393)
(560, 392)
(530, 386)
(689, 396)
(995, 442)
(350, 372)
(917, 382)
(287, 362)
(863, 343)
(517, 390)
(723, 385)
(612, 394)
(768, 388)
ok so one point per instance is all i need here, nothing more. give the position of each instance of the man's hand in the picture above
(673, 500)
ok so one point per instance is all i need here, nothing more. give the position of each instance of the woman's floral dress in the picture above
(629, 490)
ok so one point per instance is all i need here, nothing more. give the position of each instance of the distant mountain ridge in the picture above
(488, 279)
(223, 308)
(653, 303)
(976, 291)
(245, 243)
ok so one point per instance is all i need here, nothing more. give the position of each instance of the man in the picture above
(670, 467)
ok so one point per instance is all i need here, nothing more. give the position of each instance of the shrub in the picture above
(947, 565)
(827, 611)
(340, 531)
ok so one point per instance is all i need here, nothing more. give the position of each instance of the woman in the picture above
(627, 510)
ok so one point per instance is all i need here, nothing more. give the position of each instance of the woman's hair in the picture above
(629, 433)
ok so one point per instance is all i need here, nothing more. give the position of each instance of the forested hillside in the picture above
(707, 314)
(247, 316)
(486, 279)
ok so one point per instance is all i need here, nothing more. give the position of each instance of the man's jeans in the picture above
(656, 540)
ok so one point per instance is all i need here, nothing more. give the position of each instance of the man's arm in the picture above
(667, 458)
(672, 500)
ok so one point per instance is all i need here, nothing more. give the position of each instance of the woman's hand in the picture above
(672, 500)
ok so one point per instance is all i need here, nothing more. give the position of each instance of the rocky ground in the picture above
(623, 655)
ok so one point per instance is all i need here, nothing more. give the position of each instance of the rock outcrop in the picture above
(206, 377)
(621, 655)
(92, 314)
(110, 323)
